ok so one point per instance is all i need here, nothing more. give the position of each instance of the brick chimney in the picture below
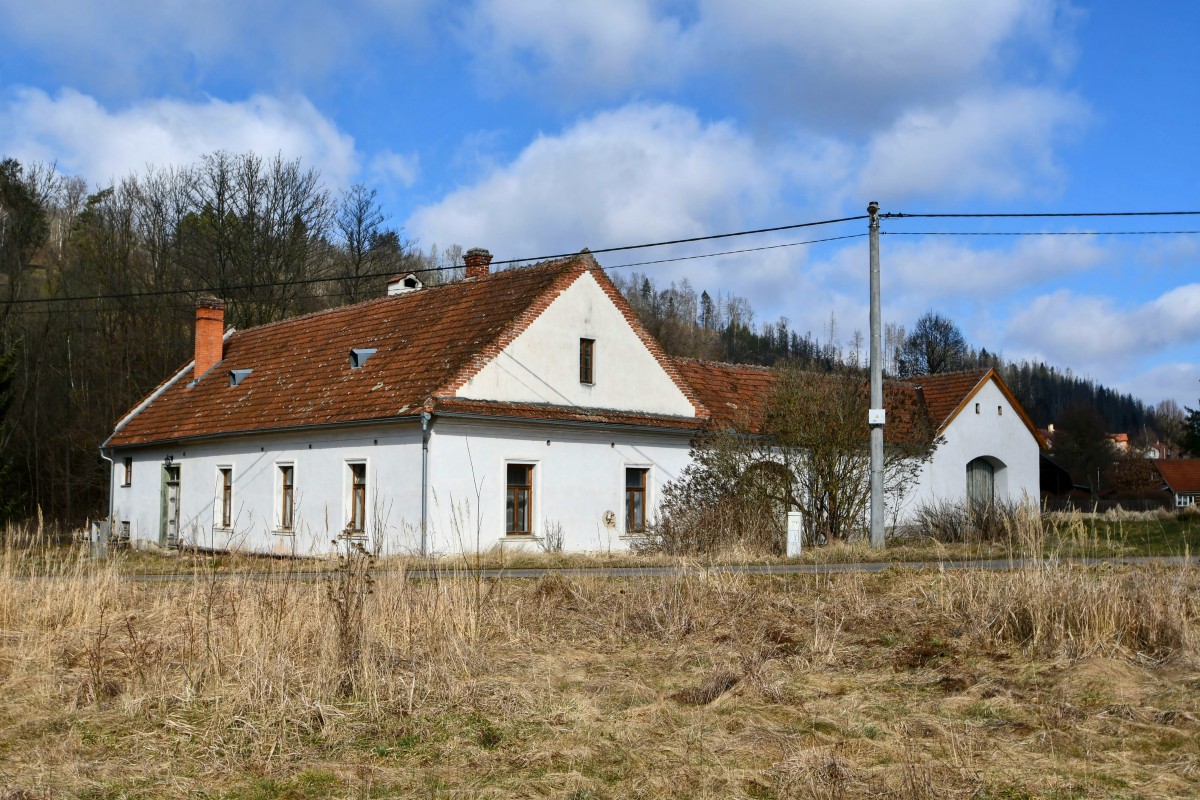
(210, 331)
(479, 262)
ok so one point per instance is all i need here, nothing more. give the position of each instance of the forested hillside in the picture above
(723, 328)
(265, 235)
(98, 289)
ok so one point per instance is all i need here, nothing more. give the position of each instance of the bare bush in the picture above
(961, 521)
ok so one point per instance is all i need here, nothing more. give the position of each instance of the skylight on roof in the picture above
(359, 356)
(236, 376)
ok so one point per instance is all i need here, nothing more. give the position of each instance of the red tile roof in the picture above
(948, 392)
(428, 343)
(1182, 475)
(738, 395)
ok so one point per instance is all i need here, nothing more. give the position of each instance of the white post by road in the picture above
(795, 534)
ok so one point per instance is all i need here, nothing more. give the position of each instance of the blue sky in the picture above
(535, 126)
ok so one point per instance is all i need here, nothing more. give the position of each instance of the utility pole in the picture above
(876, 417)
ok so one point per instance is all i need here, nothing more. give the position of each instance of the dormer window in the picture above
(236, 376)
(587, 357)
(359, 356)
(403, 283)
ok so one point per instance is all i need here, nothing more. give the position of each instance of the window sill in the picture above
(284, 532)
(221, 529)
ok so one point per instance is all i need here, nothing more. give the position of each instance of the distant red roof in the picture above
(1182, 475)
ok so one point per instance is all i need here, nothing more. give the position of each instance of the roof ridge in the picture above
(714, 363)
(953, 373)
(425, 290)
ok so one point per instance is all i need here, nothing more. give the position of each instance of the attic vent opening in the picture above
(359, 356)
(236, 376)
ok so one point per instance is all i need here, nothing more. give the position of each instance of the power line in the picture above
(623, 248)
(1037, 233)
(691, 240)
(390, 273)
(736, 252)
(903, 215)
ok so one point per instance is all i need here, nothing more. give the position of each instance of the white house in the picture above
(1181, 477)
(513, 408)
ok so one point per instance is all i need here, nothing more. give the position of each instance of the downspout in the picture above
(426, 430)
(112, 468)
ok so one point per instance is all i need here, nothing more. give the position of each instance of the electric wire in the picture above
(534, 259)
(158, 293)
(1033, 215)
(692, 239)
(1037, 233)
(736, 252)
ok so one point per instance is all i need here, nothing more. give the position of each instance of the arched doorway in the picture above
(981, 482)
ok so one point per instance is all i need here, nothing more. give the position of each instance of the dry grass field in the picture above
(1052, 681)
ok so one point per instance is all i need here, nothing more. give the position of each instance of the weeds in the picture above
(1053, 679)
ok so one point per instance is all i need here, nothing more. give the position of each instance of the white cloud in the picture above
(1096, 334)
(392, 167)
(998, 144)
(120, 46)
(934, 268)
(99, 144)
(641, 173)
(574, 47)
(1175, 381)
(834, 60)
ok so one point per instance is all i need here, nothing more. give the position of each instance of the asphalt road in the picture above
(995, 564)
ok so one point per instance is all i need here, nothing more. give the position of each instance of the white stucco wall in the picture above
(1003, 437)
(579, 475)
(392, 454)
(542, 364)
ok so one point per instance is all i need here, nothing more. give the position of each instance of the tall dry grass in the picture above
(1062, 609)
(695, 682)
(264, 662)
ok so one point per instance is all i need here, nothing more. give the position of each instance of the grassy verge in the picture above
(1053, 681)
(1156, 533)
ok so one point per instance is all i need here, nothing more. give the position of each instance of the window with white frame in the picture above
(287, 496)
(635, 499)
(1184, 500)
(225, 487)
(127, 478)
(357, 522)
(518, 499)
